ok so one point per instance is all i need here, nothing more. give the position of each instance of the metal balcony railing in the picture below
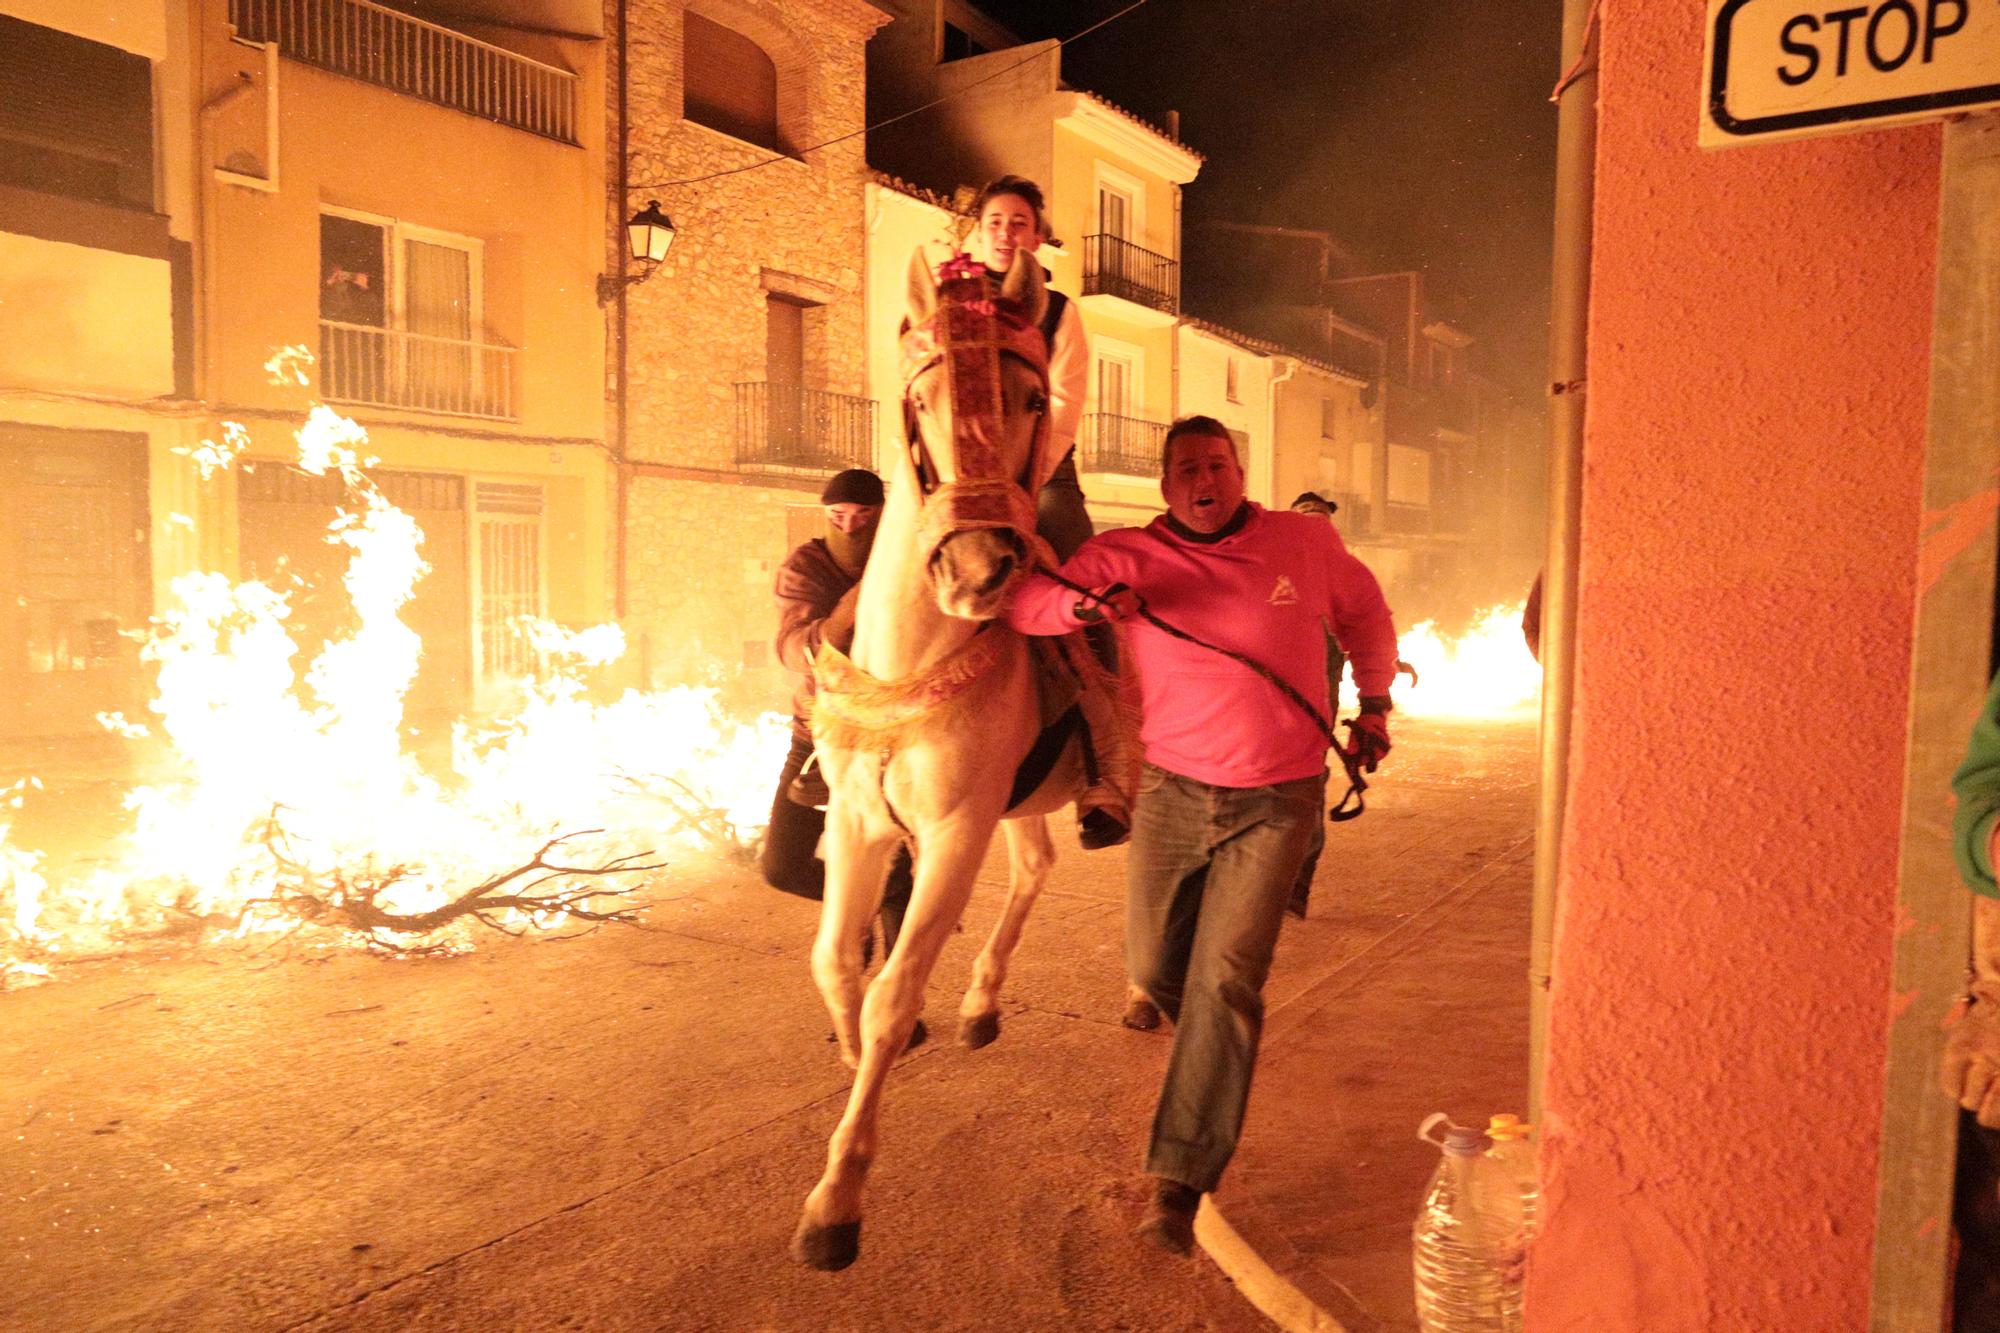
(1127, 446)
(1113, 266)
(378, 367)
(789, 427)
(409, 55)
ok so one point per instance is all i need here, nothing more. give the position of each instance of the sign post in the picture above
(1786, 69)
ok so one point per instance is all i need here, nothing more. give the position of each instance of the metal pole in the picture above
(1576, 148)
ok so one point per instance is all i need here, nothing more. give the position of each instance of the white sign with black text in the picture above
(1783, 69)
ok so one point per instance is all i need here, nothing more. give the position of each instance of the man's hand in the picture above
(1114, 602)
(1971, 1066)
(1368, 740)
(837, 629)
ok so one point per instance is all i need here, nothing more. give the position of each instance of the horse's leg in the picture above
(1030, 853)
(829, 1234)
(855, 869)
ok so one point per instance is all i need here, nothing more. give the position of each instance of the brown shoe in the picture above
(1169, 1219)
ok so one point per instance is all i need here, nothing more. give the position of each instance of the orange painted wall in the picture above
(1758, 374)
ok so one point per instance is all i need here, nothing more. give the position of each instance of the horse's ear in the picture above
(923, 288)
(1024, 285)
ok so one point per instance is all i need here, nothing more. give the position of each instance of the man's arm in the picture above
(806, 597)
(1069, 378)
(1977, 786)
(1040, 605)
(1363, 624)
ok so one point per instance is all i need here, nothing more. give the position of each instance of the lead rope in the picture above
(1356, 784)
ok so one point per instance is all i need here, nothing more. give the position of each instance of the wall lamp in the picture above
(652, 235)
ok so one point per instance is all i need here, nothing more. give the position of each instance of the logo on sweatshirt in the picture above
(1283, 593)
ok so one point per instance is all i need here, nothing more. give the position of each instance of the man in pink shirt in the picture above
(1235, 777)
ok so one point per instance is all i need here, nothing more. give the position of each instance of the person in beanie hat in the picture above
(816, 594)
(1312, 502)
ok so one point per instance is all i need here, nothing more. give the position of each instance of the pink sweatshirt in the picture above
(1266, 592)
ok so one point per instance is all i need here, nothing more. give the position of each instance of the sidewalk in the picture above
(1431, 1014)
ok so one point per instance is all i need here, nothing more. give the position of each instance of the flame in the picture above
(1485, 672)
(273, 776)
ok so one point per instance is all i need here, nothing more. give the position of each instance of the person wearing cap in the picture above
(815, 591)
(1312, 502)
(1235, 774)
(1009, 217)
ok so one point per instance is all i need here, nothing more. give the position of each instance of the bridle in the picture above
(969, 333)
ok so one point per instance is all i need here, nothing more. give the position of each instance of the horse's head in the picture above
(976, 412)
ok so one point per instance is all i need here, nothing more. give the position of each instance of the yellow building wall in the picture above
(1073, 198)
(1204, 388)
(84, 320)
(535, 205)
(897, 224)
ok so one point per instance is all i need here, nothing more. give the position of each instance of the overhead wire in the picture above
(904, 115)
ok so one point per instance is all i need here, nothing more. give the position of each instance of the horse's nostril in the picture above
(1003, 567)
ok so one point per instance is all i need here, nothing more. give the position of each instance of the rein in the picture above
(1356, 784)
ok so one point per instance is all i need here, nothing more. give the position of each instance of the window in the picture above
(1114, 385)
(1114, 211)
(1232, 387)
(76, 117)
(958, 44)
(1329, 419)
(400, 319)
(729, 83)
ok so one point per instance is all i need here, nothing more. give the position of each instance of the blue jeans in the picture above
(1206, 881)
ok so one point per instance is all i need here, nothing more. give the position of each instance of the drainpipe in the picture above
(620, 468)
(1576, 147)
(1289, 368)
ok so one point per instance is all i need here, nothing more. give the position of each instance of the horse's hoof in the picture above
(829, 1249)
(981, 1031)
(1141, 1016)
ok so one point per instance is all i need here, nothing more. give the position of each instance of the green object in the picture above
(1977, 786)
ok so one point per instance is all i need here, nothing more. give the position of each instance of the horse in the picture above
(922, 727)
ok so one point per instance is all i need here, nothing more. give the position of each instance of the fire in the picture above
(1485, 672)
(284, 793)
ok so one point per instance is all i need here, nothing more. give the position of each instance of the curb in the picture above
(1260, 1284)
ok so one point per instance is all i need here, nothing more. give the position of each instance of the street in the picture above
(616, 1132)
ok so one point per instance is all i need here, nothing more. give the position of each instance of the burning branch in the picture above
(539, 888)
(693, 814)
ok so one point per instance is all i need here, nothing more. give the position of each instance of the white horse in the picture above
(922, 730)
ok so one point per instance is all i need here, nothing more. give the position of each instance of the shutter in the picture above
(76, 116)
(728, 82)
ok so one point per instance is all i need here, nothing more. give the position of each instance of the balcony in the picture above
(1113, 266)
(1126, 446)
(788, 428)
(377, 367)
(405, 54)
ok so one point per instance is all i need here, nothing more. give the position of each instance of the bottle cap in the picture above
(1458, 1140)
(1506, 1127)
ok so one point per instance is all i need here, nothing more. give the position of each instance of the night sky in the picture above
(1417, 131)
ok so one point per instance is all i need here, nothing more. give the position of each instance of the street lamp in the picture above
(652, 235)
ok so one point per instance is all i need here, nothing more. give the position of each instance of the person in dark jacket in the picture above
(815, 591)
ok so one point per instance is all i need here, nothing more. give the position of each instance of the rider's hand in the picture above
(1368, 740)
(1112, 601)
(838, 627)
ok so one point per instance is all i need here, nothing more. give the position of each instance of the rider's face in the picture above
(1204, 483)
(1007, 225)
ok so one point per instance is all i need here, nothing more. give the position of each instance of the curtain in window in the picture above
(437, 304)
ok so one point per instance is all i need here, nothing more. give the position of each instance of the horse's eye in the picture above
(1038, 402)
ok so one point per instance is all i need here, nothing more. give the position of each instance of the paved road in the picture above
(616, 1133)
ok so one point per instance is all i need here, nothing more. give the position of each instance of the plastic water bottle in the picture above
(1467, 1241)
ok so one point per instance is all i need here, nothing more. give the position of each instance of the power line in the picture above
(790, 157)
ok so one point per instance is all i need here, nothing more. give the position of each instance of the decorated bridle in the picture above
(968, 333)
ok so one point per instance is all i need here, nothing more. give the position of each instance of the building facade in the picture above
(738, 376)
